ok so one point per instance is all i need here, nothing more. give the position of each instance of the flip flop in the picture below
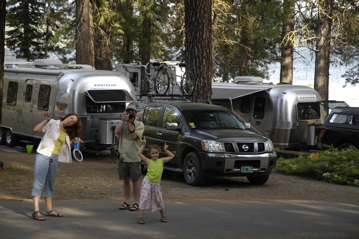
(50, 214)
(37, 217)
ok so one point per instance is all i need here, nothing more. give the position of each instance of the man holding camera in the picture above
(130, 131)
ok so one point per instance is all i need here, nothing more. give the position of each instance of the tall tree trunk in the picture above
(198, 46)
(2, 50)
(286, 67)
(127, 49)
(322, 57)
(84, 33)
(145, 49)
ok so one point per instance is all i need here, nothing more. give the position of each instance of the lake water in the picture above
(304, 75)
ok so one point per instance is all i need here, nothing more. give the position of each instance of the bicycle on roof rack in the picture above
(155, 82)
(168, 78)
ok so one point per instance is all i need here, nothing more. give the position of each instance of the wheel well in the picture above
(185, 152)
(344, 142)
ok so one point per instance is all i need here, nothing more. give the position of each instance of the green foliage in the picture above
(246, 37)
(332, 165)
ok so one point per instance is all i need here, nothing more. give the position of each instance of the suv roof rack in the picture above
(151, 96)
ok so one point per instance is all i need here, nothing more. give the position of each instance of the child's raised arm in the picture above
(170, 155)
(140, 152)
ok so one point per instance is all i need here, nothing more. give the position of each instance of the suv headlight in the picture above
(212, 146)
(268, 145)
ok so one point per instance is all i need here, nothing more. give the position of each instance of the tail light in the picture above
(322, 132)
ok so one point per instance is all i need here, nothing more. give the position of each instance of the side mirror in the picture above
(172, 126)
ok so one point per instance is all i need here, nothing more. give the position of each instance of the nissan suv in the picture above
(207, 140)
(341, 128)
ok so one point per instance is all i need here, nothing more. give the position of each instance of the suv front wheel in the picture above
(192, 170)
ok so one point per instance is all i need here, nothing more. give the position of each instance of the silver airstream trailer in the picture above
(30, 89)
(280, 112)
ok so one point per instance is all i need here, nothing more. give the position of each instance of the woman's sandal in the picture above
(134, 207)
(37, 217)
(55, 214)
(163, 219)
(125, 206)
(140, 220)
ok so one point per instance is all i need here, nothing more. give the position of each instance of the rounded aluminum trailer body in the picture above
(94, 95)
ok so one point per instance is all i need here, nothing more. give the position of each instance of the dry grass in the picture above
(93, 179)
(96, 178)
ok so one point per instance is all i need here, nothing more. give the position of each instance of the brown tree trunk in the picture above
(198, 46)
(2, 50)
(84, 33)
(322, 57)
(286, 67)
(145, 50)
(103, 53)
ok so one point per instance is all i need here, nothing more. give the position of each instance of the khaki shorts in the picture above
(129, 170)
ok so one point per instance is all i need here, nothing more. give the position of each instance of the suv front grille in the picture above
(244, 147)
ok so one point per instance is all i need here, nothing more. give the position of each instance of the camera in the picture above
(131, 116)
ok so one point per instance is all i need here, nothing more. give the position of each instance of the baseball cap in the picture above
(131, 106)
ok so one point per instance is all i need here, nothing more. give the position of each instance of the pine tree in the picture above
(23, 19)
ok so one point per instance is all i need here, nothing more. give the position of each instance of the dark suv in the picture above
(341, 128)
(207, 140)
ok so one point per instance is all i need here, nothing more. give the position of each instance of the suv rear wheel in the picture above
(344, 147)
(192, 170)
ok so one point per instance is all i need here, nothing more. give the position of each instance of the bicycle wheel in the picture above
(188, 83)
(162, 82)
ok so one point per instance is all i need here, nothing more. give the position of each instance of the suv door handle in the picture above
(159, 133)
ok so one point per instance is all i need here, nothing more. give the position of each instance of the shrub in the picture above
(332, 165)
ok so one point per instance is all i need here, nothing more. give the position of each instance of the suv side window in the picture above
(344, 119)
(151, 115)
(170, 116)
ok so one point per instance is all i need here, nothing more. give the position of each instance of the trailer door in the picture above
(41, 104)
(258, 117)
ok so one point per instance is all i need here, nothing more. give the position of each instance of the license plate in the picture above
(246, 169)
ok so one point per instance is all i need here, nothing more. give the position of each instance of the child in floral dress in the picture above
(151, 191)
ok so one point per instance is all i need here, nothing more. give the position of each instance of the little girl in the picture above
(151, 191)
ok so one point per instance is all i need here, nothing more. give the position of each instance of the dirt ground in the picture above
(95, 178)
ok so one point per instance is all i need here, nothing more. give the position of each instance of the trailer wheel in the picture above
(2, 136)
(9, 138)
(258, 180)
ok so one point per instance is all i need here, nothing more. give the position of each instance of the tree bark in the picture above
(198, 46)
(286, 68)
(322, 57)
(84, 33)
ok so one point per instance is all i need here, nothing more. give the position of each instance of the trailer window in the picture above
(259, 107)
(44, 97)
(12, 93)
(28, 93)
(308, 111)
(106, 101)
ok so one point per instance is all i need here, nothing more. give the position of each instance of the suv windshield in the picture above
(212, 120)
